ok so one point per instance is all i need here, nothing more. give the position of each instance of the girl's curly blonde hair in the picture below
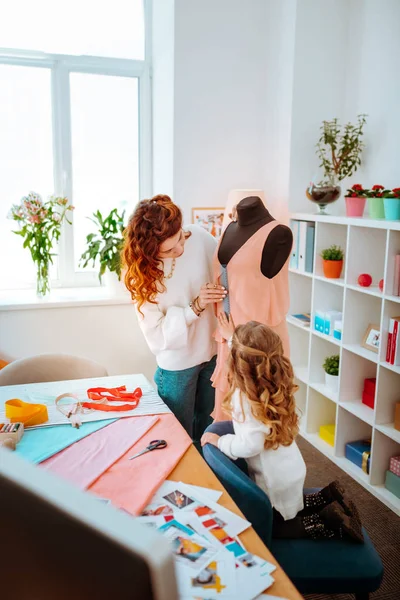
(258, 368)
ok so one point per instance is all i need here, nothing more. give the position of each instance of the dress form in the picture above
(251, 215)
(255, 250)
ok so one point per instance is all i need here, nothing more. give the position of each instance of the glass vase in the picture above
(323, 190)
(42, 279)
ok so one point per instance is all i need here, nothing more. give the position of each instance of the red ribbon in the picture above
(112, 395)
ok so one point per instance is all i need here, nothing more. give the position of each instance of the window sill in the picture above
(62, 298)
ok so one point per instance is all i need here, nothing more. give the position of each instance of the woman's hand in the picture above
(226, 326)
(210, 438)
(211, 293)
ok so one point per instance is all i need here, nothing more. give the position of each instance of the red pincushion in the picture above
(365, 280)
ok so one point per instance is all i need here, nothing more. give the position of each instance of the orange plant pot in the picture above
(332, 268)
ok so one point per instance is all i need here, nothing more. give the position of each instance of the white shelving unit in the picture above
(370, 247)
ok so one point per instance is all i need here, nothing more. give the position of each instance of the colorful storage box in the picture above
(327, 433)
(392, 483)
(331, 317)
(359, 453)
(368, 395)
(394, 466)
(319, 321)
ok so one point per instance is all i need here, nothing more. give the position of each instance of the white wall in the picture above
(373, 86)
(220, 97)
(107, 334)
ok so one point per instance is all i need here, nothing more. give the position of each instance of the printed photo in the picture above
(248, 560)
(236, 549)
(178, 499)
(156, 511)
(202, 511)
(372, 338)
(210, 219)
(213, 522)
(187, 549)
(219, 533)
(206, 578)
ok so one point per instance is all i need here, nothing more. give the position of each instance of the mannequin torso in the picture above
(251, 216)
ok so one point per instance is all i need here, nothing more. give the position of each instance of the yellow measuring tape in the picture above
(29, 414)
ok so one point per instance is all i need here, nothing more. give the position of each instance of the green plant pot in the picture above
(392, 209)
(375, 208)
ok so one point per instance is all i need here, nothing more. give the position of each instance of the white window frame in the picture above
(61, 66)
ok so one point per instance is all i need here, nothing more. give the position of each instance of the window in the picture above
(74, 121)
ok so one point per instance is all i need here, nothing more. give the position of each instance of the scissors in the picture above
(154, 445)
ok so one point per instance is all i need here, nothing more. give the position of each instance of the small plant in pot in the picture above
(391, 204)
(331, 368)
(375, 201)
(105, 245)
(332, 262)
(355, 199)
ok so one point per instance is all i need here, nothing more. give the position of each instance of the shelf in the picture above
(360, 351)
(318, 443)
(297, 324)
(352, 469)
(390, 367)
(352, 221)
(339, 282)
(373, 290)
(390, 431)
(325, 391)
(301, 373)
(392, 298)
(303, 273)
(360, 410)
(328, 338)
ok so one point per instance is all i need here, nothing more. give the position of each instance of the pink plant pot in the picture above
(355, 206)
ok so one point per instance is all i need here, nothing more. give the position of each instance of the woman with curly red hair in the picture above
(169, 275)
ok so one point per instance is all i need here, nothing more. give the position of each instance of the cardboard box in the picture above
(359, 453)
(392, 483)
(327, 433)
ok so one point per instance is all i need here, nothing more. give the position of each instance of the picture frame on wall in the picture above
(210, 218)
(372, 338)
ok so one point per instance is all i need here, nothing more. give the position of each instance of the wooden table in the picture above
(193, 469)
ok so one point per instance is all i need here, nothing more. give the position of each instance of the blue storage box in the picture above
(319, 321)
(359, 453)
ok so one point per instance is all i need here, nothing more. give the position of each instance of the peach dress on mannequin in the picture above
(252, 297)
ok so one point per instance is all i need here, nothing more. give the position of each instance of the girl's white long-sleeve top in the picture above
(176, 336)
(280, 473)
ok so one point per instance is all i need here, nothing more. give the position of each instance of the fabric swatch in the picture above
(130, 484)
(84, 462)
(37, 445)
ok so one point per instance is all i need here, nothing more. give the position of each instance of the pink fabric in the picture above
(252, 297)
(83, 462)
(130, 484)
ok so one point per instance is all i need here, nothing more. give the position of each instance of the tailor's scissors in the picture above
(154, 445)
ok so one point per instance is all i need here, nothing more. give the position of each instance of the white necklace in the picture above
(172, 270)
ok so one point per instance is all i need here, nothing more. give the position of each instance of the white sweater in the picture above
(178, 338)
(279, 473)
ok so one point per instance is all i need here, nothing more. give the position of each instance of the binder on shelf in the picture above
(310, 237)
(302, 245)
(394, 336)
(396, 282)
(294, 258)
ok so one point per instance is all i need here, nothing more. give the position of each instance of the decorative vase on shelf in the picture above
(42, 279)
(332, 382)
(355, 206)
(375, 208)
(392, 208)
(323, 190)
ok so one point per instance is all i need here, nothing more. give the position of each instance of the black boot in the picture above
(336, 518)
(331, 493)
(317, 529)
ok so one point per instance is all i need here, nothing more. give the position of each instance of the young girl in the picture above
(262, 405)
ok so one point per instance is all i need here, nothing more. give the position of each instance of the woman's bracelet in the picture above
(196, 302)
(194, 308)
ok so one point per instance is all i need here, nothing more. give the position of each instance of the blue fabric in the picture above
(190, 395)
(315, 567)
(38, 444)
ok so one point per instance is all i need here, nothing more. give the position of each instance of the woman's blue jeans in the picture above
(190, 395)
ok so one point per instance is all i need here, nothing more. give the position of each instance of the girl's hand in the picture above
(211, 293)
(225, 326)
(210, 438)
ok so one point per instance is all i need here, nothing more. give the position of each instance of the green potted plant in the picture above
(355, 199)
(375, 202)
(391, 204)
(104, 247)
(339, 150)
(331, 368)
(332, 262)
